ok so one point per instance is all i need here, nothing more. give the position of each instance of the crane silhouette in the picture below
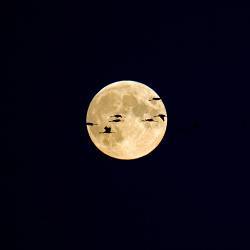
(162, 116)
(149, 120)
(116, 116)
(155, 99)
(116, 120)
(91, 124)
(107, 130)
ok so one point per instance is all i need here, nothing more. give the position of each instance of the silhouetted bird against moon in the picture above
(149, 120)
(116, 116)
(116, 120)
(155, 99)
(162, 116)
(91, 124)
(107, 130)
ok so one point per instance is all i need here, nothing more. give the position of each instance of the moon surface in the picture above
(123, 108)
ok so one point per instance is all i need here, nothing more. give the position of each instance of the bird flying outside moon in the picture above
(125, 104)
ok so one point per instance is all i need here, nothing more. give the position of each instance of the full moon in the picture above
(126, 120)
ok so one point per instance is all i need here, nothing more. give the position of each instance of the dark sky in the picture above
(190, 192)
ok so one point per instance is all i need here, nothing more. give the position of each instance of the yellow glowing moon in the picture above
(134, 136)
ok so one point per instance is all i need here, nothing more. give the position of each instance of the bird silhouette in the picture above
(149, 120)
(116, 120)
(155, 99)
(162, 116)
(90, 124)
(107, 130)
(116, 116)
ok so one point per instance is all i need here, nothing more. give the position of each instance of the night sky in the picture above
(193, 190)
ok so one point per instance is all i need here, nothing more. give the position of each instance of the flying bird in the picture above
(90, 124)
(107, 130)
(155, 99)
(116, 120)
(116, 116)
(149, 120)
(162, 116)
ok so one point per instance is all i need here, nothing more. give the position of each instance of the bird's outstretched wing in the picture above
(116, 116)
(116, 120)
(155, 99)
(91, 124)
(149, 120)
